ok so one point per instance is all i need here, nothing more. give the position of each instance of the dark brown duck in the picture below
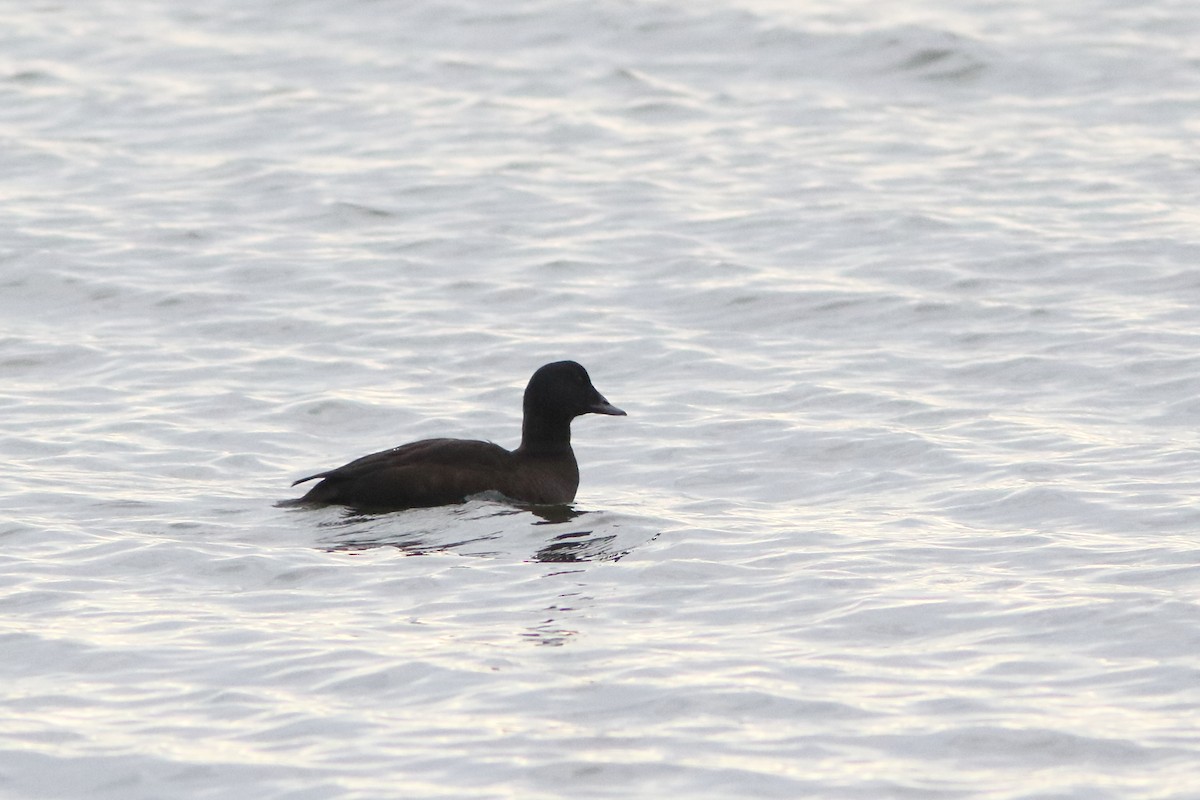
(435, 472)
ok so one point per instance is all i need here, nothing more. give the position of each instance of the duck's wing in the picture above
(440, 453)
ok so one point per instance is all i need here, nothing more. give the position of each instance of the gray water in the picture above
(902, 301)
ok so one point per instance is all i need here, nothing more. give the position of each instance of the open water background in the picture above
(903, 301)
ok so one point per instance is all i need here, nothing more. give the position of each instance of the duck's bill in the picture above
(602, 406)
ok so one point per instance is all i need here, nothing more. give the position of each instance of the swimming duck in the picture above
(435, 472)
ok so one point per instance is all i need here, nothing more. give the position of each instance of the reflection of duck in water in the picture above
(435, 472)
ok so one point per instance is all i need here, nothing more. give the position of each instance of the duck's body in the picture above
(435, 472)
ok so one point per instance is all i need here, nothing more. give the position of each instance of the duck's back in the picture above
(435, 472)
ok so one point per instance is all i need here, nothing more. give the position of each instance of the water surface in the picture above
(901, 303)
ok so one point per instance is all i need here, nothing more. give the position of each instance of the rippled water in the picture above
(902, 303)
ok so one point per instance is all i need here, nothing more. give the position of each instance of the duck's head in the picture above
(563, 389)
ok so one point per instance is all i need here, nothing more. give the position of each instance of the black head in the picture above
(563, 390)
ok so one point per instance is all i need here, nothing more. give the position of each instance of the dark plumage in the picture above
(435, 472)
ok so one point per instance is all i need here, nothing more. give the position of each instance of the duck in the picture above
(542, 470)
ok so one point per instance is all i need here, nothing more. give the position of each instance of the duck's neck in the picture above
(545, 436)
